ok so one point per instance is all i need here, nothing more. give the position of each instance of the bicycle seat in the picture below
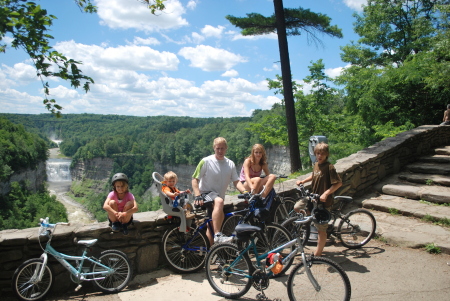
(244, 231)
(87, 243)
(345, 199)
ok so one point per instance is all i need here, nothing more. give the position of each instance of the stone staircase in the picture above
(406, 203)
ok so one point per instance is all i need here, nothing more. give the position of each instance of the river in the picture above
(59, 186)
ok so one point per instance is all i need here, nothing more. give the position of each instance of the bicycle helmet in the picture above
(321, 216)
(119, 176)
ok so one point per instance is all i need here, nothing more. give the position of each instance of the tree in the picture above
(28, 24)
(287, 22)
(399, 67)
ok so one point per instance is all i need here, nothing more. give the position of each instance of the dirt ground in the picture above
(377, 272)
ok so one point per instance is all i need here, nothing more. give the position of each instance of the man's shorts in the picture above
(208, 201)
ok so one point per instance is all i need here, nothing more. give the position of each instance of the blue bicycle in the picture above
(33, 279)
(231, 272)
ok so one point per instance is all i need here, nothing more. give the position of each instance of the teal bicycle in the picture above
(231, 272)
(33, 279)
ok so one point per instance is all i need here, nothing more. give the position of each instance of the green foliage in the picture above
(297, 20)
(432, 248)
(19, 149)
(429, 182)
(394, 211)
(22, 209)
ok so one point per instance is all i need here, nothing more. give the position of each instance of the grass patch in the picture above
(381, 238)
(429, 182)
(432, 248)
(394, 211)
(445, 222)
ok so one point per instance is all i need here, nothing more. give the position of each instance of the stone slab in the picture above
(424, 178)
(410, 232)
(430, 168)
(407, 207)
(435, 194)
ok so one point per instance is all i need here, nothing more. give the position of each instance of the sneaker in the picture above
(219, 238)
(125, 229)
(116, 226)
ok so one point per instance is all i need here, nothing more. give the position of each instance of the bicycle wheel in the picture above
(271, 237)
(296, 230)
(230, 224)
(283, 209)
(181, 256)
(121, 275)
(357, 228)
(228, 271)
(333, 282)
(25, 283)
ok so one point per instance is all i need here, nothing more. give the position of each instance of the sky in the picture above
(189, 60)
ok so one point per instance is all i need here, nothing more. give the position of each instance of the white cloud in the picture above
(20, 72)
(209, 58)
(197, 38)
(355, 4)
(333, 72)
(211, 31)
(230, 73)
(131, 57)
(13, 101)
(192, 4)
(274, 67)
(121, 14)
(147, 41)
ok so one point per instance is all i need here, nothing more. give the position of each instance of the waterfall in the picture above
(58, 170)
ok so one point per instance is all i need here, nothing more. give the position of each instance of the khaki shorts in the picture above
(302, 204)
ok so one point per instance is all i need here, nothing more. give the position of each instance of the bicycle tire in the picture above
(332, 279)
(119, 279)
(228, 277)
(184, 259)
(229, 224)
(271, 237)
(23, 284)
(296, 230)
(357, 228)
(283, 209)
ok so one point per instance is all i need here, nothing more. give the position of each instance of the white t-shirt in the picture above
(215, 175)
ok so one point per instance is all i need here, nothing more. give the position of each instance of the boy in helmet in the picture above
(325, 181)
(120, 204)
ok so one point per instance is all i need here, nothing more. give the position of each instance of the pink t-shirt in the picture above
(121, 203)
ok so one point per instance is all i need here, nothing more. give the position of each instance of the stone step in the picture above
(429, 168)
(428, 179)
(407, 207)
(411, 232)
(434, 194)
(435, 159)
(443, 150)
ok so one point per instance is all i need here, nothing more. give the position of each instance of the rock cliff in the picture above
(33, 177)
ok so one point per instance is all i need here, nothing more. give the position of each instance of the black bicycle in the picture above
(355, 228)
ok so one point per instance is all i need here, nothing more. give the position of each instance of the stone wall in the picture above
(33, 177)
(359, 172)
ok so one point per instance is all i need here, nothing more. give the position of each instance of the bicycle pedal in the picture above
(78, 287)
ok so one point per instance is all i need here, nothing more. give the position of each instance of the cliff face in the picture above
(95, 169)
(34, 177)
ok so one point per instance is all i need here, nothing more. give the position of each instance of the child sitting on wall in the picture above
(169, 188)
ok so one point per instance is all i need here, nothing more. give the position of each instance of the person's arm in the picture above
(239, 186)
(445, 115)
(248, 180)
(329, 191)
(309, 178)
(196, 189)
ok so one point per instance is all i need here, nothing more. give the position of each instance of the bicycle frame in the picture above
(299, 249)
(63, 260)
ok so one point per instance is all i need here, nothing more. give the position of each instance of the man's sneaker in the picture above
(116, 226)
(219, 237)
(125, 229)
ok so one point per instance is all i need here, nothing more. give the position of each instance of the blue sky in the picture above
(187, 61)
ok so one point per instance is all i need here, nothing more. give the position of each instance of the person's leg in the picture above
(127, 207)
(321, 241)
(217, 214)
(257, 184)
(268, 181)
(111, 216)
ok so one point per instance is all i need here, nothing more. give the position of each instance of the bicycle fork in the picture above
(311, 278)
